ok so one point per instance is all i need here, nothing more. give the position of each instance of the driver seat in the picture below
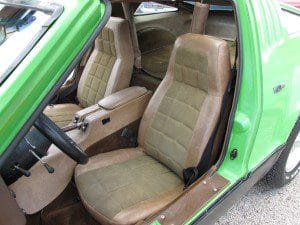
(128, 185)
(107, 71)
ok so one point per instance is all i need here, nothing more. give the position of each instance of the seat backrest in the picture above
(185, 108)
(110, 65)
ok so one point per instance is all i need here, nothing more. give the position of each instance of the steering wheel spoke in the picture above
(48, 128)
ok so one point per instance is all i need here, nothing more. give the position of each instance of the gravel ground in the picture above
(262, 206)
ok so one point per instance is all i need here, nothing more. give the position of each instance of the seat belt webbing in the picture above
(191, 174)
(135, 44)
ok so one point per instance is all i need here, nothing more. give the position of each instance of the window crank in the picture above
(46, 165)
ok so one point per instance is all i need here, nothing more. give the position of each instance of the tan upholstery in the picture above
(62, 114)
(110, 66)
(115, 184)
(125, 186)
(122, 97)
(108, 69)
(185, 108)
(41, 188)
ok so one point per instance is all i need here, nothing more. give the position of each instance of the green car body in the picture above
(263, 119)
(267, 103)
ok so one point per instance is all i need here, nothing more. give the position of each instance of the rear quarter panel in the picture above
(280, 54)
(262, 120)
(269, 56)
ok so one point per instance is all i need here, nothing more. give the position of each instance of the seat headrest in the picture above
(116, 31)
(115, 23)
(202, 62)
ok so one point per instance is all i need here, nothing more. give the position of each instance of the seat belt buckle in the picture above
(190, 175)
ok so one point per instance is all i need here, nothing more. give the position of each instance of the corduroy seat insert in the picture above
(62, 114)
(116, 187)
(94, 87)
(169, 134)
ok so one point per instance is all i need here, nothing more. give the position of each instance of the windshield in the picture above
(20, 29)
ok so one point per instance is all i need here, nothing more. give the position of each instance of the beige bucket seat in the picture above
(127, 185)
(108, 70)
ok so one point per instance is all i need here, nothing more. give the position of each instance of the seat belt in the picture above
(127, 9)
(191, 174)
(199, 19)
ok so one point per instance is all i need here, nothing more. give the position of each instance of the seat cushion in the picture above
(62, 114)
(124, 186)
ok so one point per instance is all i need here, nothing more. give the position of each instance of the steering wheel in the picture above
(48, 128)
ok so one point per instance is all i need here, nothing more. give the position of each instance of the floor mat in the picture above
(67, 209)
(74, 214)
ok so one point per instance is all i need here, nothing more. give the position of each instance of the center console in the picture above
(109, 115)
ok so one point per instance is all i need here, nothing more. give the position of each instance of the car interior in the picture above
(137, 131)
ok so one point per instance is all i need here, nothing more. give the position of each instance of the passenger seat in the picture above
(126, 186)
(108, 70)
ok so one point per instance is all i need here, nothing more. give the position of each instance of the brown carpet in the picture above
(74, 214)
(67, 209)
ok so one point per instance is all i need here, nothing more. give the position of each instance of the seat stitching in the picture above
(175, 120)
(162, 153)
(171, 139)
(188, 105)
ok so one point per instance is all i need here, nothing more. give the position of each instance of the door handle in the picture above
(278, 88)
(241, 122)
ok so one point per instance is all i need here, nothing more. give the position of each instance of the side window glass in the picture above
(19, 29)
(146, 8)
(291, 22)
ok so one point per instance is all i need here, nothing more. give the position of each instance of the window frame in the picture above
(154, 13)
(52, 9)
(287, 9)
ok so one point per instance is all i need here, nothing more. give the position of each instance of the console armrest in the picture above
(121, 97)
(99, 123)
(80, 115)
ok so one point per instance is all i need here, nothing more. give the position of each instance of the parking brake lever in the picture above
(46, 165)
